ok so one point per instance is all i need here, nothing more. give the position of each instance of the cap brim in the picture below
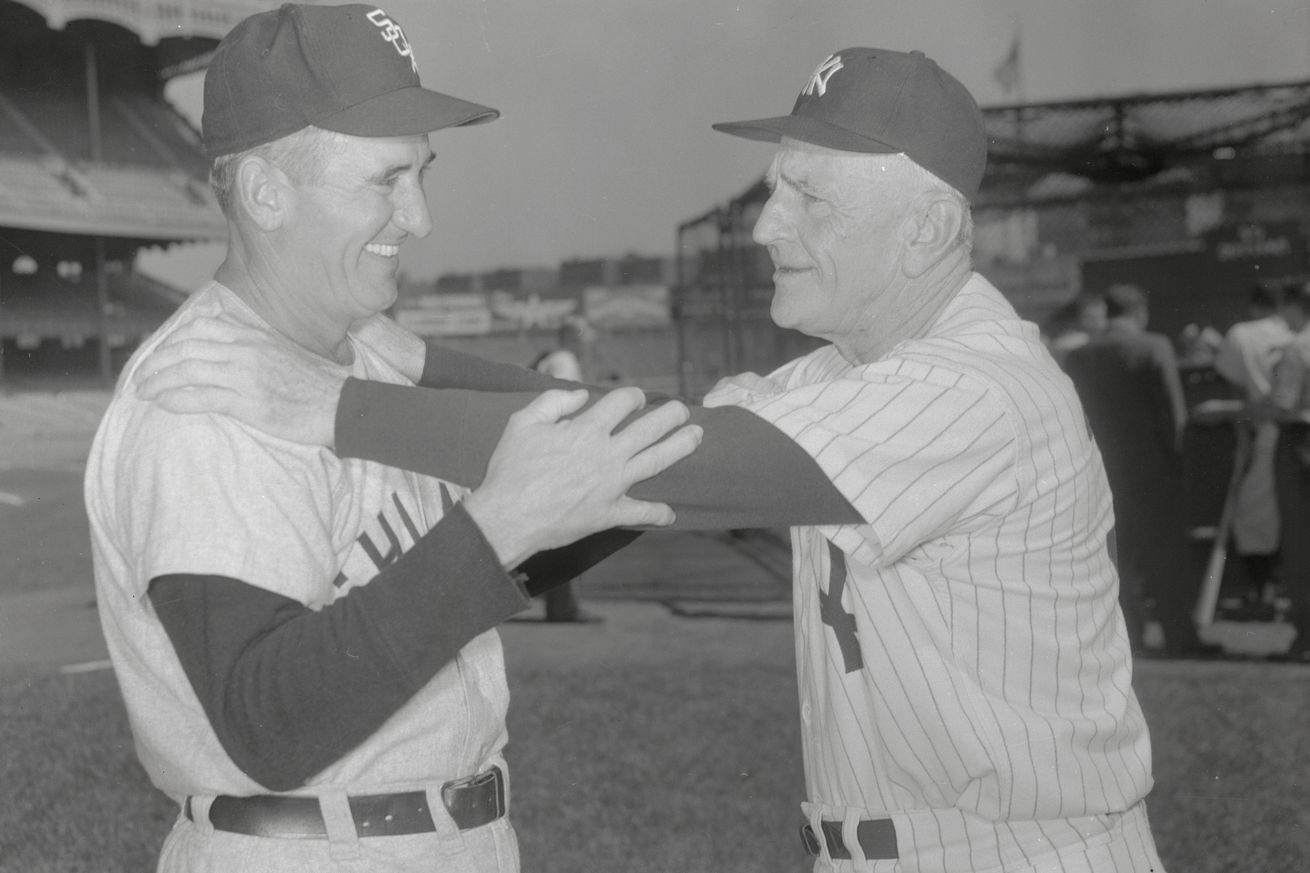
(406, 112)
(810, 130)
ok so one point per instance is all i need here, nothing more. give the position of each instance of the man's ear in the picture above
(930, 233)
(263, 192)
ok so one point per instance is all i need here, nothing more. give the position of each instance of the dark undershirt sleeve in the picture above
(745, 474)
(447, 368)
(289, 690)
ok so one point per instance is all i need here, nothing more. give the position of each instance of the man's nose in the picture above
(412, 213)
(768, 227)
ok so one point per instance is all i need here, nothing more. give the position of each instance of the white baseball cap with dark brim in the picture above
(349, 69)
(879, 101)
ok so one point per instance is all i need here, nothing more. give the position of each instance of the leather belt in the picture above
(471, 802)
(877, 839)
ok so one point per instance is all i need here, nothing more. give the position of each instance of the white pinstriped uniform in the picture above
(964, 666)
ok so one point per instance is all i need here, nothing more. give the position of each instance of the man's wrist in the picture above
(504, 535)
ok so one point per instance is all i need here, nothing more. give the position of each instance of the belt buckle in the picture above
(464, 798)
(810, 840)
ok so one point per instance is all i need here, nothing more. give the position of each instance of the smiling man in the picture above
(305, 643)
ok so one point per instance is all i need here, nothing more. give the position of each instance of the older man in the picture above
(304, 643)
(964, 670)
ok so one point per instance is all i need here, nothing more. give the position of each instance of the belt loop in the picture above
(814, 815)
(501, 766)
(850, 835)
(196, 808)
(445, 827)
(343, 838)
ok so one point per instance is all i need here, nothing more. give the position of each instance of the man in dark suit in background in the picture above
(1127, 379)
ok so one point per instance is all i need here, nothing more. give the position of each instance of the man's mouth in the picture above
(382, 251)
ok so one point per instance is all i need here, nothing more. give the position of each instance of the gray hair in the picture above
(301, 155)
(913, 185)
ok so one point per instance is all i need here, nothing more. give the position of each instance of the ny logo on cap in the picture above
(392, 33)
(819, 81)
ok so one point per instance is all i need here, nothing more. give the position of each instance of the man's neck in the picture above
(917, 307)
(274, 299)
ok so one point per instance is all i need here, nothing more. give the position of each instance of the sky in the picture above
(604, 145)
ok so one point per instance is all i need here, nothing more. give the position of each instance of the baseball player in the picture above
(964, 668)
(1246, 359)
(304, 642)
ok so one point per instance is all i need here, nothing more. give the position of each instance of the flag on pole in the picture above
(1007, 71)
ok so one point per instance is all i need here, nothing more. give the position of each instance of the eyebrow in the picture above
(801, 183)
(402, 167)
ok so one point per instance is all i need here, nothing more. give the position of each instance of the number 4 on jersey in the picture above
(837, 618)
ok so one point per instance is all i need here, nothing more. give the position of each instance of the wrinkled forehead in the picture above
(814, 165)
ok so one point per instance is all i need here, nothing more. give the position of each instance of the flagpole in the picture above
(1018, 41)
(1018, 79)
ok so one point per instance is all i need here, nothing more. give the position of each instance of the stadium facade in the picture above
(95, 165)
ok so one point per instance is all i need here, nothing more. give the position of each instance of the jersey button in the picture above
(805, 712)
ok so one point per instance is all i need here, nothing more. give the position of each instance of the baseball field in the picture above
(663, 739)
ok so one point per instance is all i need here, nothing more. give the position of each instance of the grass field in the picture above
(647, 744)
(656, 745)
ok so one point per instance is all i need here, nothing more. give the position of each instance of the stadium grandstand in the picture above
(95, 165)
(1195, 196)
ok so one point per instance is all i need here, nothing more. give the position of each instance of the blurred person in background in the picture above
(1075, 323)
(1289, 400)
(572, 360)
(1246, 360)
(1128, 381)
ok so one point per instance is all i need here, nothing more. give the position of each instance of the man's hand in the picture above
(259, 379)
(553, 480)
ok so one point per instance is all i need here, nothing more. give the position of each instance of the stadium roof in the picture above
(149, 183)
(185, 31)
(88, 144)
(1052, 150)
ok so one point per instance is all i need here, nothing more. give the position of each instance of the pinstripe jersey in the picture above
(963, 663)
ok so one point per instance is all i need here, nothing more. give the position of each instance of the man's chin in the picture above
(781, 313)
(378, 298)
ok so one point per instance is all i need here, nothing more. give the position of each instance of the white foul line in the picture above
(86, 667)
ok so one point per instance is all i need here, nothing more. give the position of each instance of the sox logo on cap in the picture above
(393, 34)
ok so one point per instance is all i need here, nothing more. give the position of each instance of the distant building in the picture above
(581, 273)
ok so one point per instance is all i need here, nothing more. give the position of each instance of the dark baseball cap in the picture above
(344, 68)
(879, 101)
